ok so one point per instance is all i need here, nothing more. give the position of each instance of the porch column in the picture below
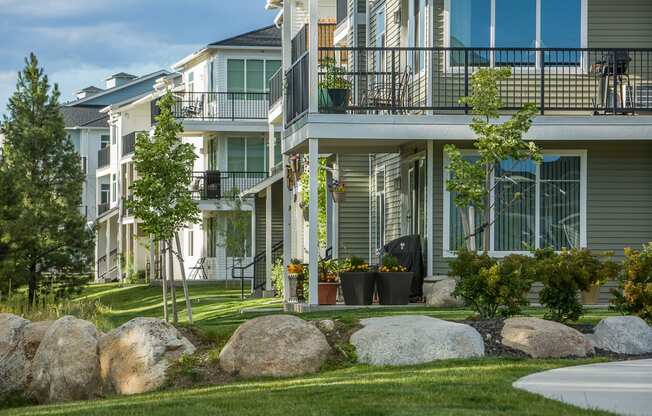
(313, 42)
(97, 255)
(268, 238)
(313, 210)
(430, 192)
(271, 149)
(287, 228)
(107, 248)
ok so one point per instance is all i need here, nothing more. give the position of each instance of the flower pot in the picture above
(358, 287)
(338, 196)
(394, 287)
(591, 296)
(338, 99)
(327, 293)
(294, 283)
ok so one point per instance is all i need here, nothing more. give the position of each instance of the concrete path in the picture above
(623, 387)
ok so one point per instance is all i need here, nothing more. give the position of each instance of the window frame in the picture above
(246, 153)
(581, 153)
(267, 73)
(535, 67)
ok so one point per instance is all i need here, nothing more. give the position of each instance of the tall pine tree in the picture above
(41, 221)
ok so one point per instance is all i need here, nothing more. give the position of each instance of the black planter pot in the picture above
(339, 98)
(358, 287)
(394, 288)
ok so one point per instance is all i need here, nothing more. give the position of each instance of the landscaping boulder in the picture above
(540, 338)
(276, 345)
(134, 358)
(66, 365)
(623, 335)
(13, 361)
(405, 340)
(326, 325)
(33, 334)
(439, 294)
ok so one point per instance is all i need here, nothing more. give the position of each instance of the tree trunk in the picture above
(186, 295)
(466, 214)
(31, 296)
(152, 260)
(161, 246)
(486, 235)
(175, 314)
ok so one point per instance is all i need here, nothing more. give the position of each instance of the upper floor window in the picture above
(381, 38)
(515, 24)
(104, 141)
(250, 75)
(246, 154)
(191, 82)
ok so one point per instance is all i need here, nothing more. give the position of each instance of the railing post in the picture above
(466, 79)
(232, 97)
(614, 65)
(393, 106)
(542, 74)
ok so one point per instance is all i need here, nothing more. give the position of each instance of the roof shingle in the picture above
(269, 36)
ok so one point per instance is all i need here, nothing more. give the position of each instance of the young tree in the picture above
(42, 228)
(162, 197)
(471, 180)
(234, 229)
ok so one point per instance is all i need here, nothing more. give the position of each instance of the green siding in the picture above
(277, 218)
(353, 213)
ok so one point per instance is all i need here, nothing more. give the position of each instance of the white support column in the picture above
(107, 248)
(270, 149)
(430, 192)
(268, 239)
(313, 240)
(313, 51)
(287, 227)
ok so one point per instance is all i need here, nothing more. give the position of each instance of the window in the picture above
(380, 209)
(515, 24)
(534, 206)
(380, 41)
(114, 188)
(250, 75)
(255, 75)
(104, 141)
(191, 244)
(419, 32)
(271, 67)
(246, 154)
(105, 192)
(191, 82)
(235, 75)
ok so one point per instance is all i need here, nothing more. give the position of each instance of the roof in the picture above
(269, 36)
(84, 117)
(121, 75)
(92, 88)
(119, 87)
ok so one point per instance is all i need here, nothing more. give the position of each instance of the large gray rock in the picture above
(33, 335)
(66, 365)
(276, 345)
(405, 340)
(134, 358)
(623, 335)
(14, 364)
(439, 294)
(540, 338)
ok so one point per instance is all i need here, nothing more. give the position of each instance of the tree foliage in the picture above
(471, 180)
(42, 229)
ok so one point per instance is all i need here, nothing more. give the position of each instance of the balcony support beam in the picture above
(313, 67)
(268, 238)
(313, 226)
(287, 229)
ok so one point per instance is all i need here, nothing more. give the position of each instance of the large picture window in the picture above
(250, 75)
(533, 206)
(246, 154)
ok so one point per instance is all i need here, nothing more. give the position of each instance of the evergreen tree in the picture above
(41, 223)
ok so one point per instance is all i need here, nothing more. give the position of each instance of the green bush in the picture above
(492, 287)
(278, 277)
(634, 296)
(565, 274)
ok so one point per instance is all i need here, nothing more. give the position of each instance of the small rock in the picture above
(623, 335)
(13, 361)
(439, 294)
(66, 365)
(134, 358)
(406, 340)
(276, 345)
(540, 338)
(326, 325)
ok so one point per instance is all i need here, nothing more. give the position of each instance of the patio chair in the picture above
(389, 96)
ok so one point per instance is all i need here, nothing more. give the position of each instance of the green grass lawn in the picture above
(459, 387)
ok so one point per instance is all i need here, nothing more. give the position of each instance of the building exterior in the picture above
(222, 101)
(407, 63)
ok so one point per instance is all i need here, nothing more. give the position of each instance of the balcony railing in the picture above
(276, 87)
(129, 143)
(221, 105)
(219, 185)
(104, 157)
(432, 80)
(102, 208)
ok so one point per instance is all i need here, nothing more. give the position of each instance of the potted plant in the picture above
(357, 282)
(327, 288)
(334, 88)
(338, 190)
(393, 282)
(295, 280)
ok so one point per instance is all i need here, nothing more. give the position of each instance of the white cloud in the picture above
(58, 8)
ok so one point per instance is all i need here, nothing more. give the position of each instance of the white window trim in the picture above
(581, 153)
(583, 67)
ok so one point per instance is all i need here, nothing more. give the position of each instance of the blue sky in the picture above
(80, 42)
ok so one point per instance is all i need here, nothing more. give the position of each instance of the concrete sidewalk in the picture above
(623, 387)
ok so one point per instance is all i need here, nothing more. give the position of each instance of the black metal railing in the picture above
(104, 157)
(221, 105)
(419, 80)
(276, 87)
(219, 185)
(296, 100)
(258, 267)
(129, 143)
(299, 43)
(102, 208)
(341, 10)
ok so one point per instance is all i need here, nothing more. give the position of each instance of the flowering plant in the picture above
(391, 265)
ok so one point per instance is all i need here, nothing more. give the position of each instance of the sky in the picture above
(81, 42)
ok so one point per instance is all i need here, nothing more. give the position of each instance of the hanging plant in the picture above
(338, 190)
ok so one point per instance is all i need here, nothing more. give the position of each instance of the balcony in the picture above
(432, 80)
(221, 105)
(129, 143)
(223, 185)
(276, 87)
(104, 157)
(102, 208)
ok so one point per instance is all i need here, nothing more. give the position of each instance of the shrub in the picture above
(567, 273)
(278, 277)
(492, 287)
(634, 296)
